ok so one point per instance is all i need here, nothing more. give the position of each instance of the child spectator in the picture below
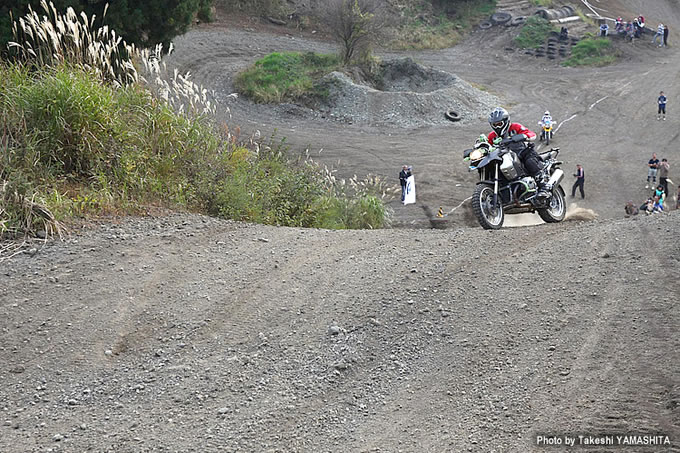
(658, 205)
(659, 196)
(653, 165)
(661, 100)
(665, 35)
(630, 209)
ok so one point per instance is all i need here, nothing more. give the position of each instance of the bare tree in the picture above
(356, 24)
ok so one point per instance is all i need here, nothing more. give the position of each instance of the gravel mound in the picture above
(412, 95)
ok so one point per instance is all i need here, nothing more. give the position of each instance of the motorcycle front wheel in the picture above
(488, 216)
(557, 207)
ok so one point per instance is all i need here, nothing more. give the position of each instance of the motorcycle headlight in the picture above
(476, 155)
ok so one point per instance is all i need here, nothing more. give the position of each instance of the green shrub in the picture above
(592, 52)
(534, 33)
(72, 146)
(286, 76)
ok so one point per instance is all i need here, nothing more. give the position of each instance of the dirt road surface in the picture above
(190, 334)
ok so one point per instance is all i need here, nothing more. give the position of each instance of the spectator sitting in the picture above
(660, 195)
(630, 31)
(677, 199)
(619, 23)
(637, 29)
(647, 207)
(630, 209)
(604, 29)
(658, 204)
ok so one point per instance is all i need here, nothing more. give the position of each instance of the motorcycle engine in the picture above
(529, 183)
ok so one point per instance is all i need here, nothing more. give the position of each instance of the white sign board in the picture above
(410, 193)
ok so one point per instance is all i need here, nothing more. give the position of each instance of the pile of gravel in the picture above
(412, 95)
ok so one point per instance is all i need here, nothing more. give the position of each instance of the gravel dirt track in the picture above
(186, 333)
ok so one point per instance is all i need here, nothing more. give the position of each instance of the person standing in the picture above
(659, 35)
(665, 35)
(661, 100)
(580, 176)
(653, 165)
(664, 166)
(403, 178)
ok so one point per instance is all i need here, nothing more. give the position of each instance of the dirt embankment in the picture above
(192, 334)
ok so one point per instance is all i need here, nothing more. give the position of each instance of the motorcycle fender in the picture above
(488, 159)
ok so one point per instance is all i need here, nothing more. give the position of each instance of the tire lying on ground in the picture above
(500, 18)
(485, 25)
(452, 115)
(519, 20)
(542, 12)
(569, 10)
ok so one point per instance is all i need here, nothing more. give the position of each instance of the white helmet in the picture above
(547, 113)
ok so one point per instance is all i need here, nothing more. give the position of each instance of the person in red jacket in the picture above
(503, 128)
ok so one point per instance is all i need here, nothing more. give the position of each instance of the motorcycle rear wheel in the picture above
(482, 200)
(557, 209)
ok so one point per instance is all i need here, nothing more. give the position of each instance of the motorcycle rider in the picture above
(546, 120)
(503, 128)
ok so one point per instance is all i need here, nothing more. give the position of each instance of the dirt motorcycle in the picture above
(547, 131)
(504, 188)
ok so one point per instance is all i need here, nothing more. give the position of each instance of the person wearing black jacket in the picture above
(404, 174)
(580, 179)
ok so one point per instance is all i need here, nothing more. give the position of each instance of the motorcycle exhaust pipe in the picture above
(555, 178)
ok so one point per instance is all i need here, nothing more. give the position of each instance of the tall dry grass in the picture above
(89, 124)
(55, 39)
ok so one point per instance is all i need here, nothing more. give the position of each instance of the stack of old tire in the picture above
(555, 46)
(502, 18)
(555, 13)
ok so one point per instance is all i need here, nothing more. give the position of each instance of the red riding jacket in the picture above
(515, 128)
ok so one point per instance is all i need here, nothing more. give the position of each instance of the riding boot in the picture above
(544, 189)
